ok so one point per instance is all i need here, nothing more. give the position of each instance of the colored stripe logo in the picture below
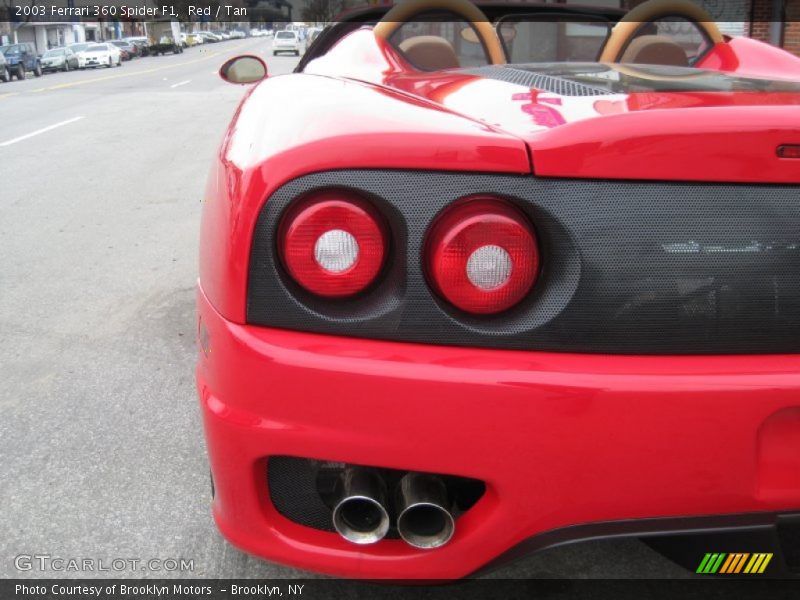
(734, 563)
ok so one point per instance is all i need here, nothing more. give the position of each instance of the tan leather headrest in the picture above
(429, 53)
(655, 50)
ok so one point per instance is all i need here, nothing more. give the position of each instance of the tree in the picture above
(322, 11)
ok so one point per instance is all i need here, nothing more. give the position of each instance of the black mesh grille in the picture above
(539, 81)
(305, 490)
(628, 267)
(294, 494)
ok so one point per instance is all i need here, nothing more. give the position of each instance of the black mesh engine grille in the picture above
(539, 81)
(628, 267)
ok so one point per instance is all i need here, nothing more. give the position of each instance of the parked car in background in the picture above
(21, 58)
(126, 49)
(286, 41)
(100, 55)
(59, 59)
(224, 35)
(191, 39)
(209, 37)
(256, 33)
(4, 74)
(79, 47)
(134, 50)
(165, 36)
(238, 34)
(141, 43)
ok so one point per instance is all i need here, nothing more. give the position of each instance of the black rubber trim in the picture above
(684, 540)
(627, 267)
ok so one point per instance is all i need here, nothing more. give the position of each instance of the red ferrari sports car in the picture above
(479, 280)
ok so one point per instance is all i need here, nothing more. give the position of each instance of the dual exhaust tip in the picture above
(423, 518)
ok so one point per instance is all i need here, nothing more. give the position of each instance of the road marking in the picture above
(174, 85)
(38, 131)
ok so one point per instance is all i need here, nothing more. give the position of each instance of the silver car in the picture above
(59, 59)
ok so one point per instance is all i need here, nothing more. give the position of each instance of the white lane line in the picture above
(174, 85)
(38, 131)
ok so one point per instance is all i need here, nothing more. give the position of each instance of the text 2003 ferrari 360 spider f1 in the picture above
(486, 281)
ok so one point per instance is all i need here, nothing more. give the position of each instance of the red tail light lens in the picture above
(789, 151)
(482, 256)
(333, 244)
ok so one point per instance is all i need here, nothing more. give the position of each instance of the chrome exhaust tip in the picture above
(423, 518)
(361, 516)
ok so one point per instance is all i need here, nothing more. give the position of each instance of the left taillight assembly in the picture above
(333, 243)
(482, 255)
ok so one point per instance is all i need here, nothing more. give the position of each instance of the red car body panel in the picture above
(264, 148)
(559, 439)
(589, 137)
(746, 56)
(598, 438)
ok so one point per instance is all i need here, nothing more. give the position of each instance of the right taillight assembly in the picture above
(482, 255)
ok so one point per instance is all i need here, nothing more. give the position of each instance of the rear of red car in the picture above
(423, 356)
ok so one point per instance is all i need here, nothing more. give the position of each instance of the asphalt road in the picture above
(100, 437)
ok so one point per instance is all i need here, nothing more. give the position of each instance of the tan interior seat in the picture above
(655, 50)
(429, 52)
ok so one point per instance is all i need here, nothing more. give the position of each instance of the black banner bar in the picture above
(334, 589)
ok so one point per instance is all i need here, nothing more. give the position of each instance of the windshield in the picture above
(54, 52)
(285, 35)
(526, 38)
(10, 50)
(79, 47)
(97, 48)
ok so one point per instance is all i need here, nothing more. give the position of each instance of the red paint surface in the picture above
(559, 439)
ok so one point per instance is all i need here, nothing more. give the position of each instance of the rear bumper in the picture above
(559, 439)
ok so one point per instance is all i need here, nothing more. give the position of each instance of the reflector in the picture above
(789, 151)
(489, 267)
(336, 250)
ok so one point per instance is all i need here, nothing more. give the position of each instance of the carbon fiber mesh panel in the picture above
(539, 81)
(628, 267)
(293, 491)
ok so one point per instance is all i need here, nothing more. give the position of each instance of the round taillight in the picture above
(332, 244)
(482, 256)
